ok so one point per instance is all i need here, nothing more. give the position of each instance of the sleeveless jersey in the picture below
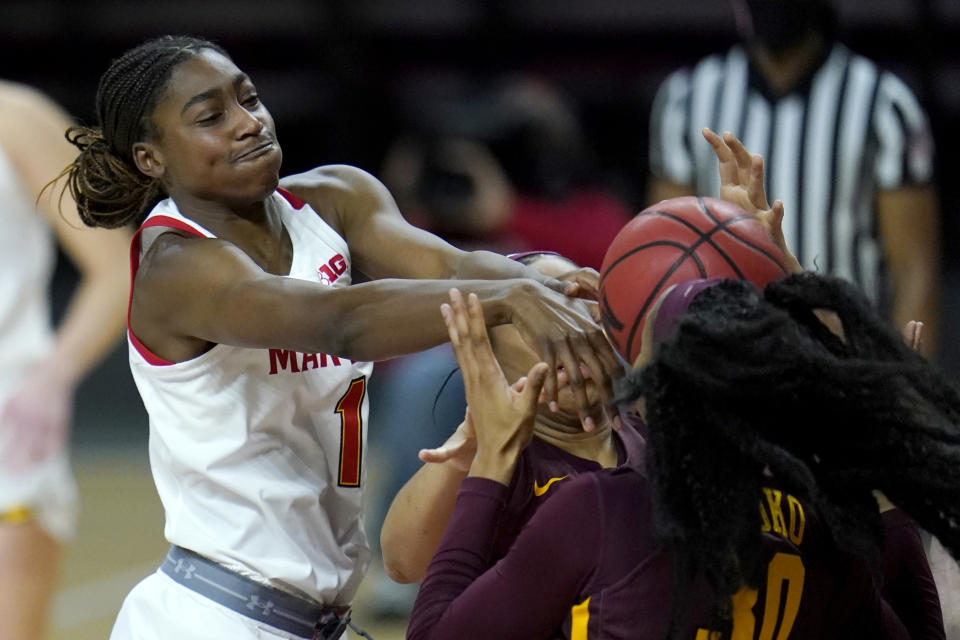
(257, 454)
(27, 258)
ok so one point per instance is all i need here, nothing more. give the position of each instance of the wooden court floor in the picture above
(120, 540)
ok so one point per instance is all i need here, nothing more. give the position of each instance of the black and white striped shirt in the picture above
(848, 131)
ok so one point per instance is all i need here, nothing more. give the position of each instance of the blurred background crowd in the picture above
(502, 124)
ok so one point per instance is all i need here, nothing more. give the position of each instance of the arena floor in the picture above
(119, 541)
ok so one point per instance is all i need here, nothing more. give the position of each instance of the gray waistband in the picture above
(254, 600)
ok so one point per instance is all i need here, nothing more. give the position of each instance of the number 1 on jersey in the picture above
(351, 432)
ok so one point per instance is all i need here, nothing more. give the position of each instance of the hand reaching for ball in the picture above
(742, 184)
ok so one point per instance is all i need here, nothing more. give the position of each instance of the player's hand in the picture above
(913, 335)
(459, 449)
(742, 184)
(564, 334)
(741, 173)
(35, 421)
(588, 289)
(587, 281)
(502, 417)
(461, 446)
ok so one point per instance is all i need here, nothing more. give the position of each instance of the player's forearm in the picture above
(388, 318)
(487, 265)
(92, 325)
(496, 465)
(417, 518)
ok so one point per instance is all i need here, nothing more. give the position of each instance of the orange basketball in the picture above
(675, 240)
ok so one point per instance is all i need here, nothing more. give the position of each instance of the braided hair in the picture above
(750, 384)
(104, 180)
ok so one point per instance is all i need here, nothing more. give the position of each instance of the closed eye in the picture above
(208, 119)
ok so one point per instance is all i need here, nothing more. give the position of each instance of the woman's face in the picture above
(215, 140)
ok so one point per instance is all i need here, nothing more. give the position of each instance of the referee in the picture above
(847, 148)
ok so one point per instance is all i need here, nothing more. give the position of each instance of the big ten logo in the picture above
(329, 272)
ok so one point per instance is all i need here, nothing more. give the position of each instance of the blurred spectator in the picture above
(847, 145)
(560, 204)
(507, 168)
(455, 187)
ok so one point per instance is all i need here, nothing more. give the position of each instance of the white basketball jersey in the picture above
(257, 454)
(27, 258)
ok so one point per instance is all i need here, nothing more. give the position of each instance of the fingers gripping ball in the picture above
(672, 241)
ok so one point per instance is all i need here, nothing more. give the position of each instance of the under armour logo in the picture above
(187, 571)
(257, 603)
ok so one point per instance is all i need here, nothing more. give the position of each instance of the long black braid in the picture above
(750, 384)
(104, 181)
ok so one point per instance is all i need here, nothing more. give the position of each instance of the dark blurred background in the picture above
(345, 78)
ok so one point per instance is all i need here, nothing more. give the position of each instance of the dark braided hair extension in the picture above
(748, 385)
(104, 181)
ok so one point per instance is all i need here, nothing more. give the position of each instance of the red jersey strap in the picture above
(294, 201)
(155, 221)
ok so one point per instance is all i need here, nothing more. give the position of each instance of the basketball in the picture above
(672, 241)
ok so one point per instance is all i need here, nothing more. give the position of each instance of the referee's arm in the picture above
(671, 158)
(909, 222)
(907, 208)
(659, 189)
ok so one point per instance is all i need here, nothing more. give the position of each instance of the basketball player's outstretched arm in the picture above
(741, 183)
(31, 135)
(384, 245)
(194, 291)
(419, 513)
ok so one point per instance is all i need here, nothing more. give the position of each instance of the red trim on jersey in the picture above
(155, 221)
(294, 201)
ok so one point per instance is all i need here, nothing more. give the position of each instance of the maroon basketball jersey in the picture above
(543, 468)
(806, 589)
(587, 567)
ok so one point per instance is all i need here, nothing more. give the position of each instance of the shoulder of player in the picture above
(335, 184)
(339, 193)
(176, 258)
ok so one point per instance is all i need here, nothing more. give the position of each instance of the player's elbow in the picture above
(399, 566)
(397, 573)
(354, 342)
(345, 334)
